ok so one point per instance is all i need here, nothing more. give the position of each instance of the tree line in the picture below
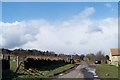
(27, 52)
(90, 56)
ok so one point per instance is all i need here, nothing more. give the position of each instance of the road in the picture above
(81, 71)
(76, 73)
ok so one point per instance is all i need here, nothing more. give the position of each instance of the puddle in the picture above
(61, 74)
(92, 70)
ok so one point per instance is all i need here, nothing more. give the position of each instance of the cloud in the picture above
(86, 13)
(80, 34)
(17, 33)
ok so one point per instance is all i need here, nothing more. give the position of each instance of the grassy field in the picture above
(107, 71)
(13, 65)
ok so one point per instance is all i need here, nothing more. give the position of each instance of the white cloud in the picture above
(80, 34)
(86, 13)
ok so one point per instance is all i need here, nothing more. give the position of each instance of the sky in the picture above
(63, 27)
(59, 0)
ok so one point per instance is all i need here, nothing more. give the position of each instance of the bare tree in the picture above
(100, 56)
(91, 57)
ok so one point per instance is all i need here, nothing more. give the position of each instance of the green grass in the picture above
(45, 74)
(13, 65)
(107, 71)
(61, 69)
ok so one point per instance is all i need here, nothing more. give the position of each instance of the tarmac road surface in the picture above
(81, 71)
(76, 73)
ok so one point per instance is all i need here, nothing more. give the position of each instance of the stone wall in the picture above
(115, 60)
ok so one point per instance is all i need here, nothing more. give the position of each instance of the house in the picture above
(115, 56)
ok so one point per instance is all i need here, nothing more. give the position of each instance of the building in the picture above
(115, 56)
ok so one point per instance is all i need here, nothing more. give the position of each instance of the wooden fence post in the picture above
(17, 61)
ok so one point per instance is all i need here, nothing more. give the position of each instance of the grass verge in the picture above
(107, 71)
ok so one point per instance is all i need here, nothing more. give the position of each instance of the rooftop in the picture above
(115, 51)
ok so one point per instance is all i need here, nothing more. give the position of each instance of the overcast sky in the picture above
(61, 27)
